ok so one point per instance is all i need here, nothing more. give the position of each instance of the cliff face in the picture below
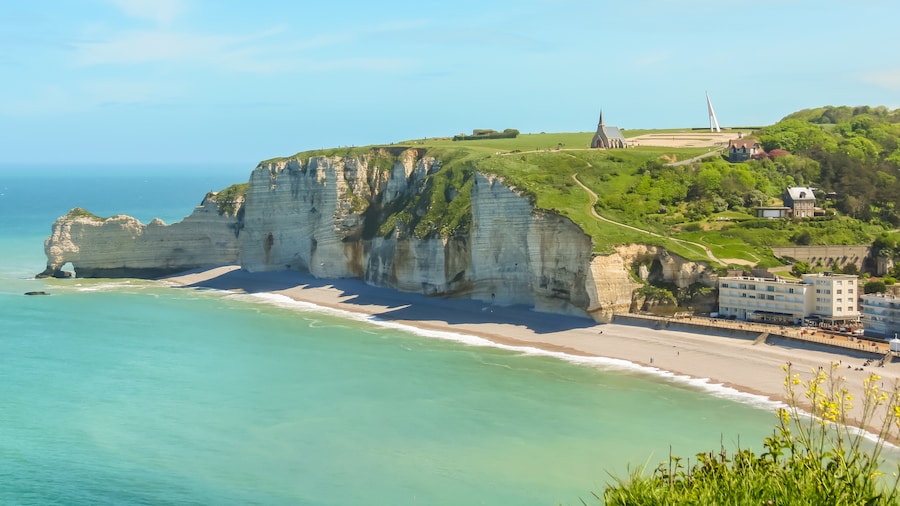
(526, 256)
(122, 246)
(312, 214)
(305, 214)
(363, 217)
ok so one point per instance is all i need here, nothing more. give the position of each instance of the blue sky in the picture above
(158, 81)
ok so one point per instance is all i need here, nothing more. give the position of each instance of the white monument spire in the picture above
(713, 122)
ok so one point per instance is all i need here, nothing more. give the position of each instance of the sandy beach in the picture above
(740, 363)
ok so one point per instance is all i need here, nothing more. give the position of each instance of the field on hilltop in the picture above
(681, 194)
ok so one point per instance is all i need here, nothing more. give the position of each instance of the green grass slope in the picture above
(697, 210)
(540, 166)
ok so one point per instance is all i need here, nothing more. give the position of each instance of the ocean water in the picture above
(134, 392)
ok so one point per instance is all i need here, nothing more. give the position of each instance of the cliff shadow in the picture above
(461, 311)
(382, 303)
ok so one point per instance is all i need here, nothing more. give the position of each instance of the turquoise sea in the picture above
(134, 392)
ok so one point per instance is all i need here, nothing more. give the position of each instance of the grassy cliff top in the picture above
(702, 209)
(480, 147)
(540, 166)
(78, 212)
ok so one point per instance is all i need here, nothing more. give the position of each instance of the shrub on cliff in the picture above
(229, 199)
(478, 134)
(83, 213)
(812, 458)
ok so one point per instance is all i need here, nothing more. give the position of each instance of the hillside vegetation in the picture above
(850, 154)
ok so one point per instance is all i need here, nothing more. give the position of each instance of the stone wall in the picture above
(827, 255)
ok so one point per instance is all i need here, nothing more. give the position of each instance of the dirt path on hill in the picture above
(594, 199)
(697, 158)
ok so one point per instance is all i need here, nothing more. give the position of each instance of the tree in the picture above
(800, 268)
(755, 198)
(851, 268)
(874, 287)
(802, 238)
(796, 136)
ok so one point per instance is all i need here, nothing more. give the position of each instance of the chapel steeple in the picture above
(608, 137)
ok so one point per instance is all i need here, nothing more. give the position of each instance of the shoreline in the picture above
(740, 364)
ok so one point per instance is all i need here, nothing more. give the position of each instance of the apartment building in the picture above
(829, 297)
(836, 296)
(881, 315)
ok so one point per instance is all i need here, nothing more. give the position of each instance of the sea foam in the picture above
(602, 363)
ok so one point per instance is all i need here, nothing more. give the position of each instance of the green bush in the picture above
(230, 199)
(479, 134)
(79, 212)
(874, 287)
(812, 458)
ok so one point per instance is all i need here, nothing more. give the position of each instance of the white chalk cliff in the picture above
(365, 217)
(122, 246)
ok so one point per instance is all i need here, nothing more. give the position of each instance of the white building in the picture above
(881, 315)
(836, 296)
(763, 299)
(829, 297)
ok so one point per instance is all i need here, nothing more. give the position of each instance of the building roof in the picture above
(801, 193)
(834, 275)
(742, 143)
(613, 132)
(886, 296)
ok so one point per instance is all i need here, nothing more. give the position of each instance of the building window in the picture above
(790, 290)
(839, 283)
(839, 292)
(849, 290)
(724, 285)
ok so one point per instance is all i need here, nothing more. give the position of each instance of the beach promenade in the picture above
(717, 353)
(762, 331)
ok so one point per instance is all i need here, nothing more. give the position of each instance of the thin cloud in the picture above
(88, 95)
(159, 11)
(263, 52)
(151, 46)
(889, 79)
(652, 59)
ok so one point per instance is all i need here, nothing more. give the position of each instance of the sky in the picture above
(229, 81)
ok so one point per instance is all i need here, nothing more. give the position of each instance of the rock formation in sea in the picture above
(122, 246)
(369, 216)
